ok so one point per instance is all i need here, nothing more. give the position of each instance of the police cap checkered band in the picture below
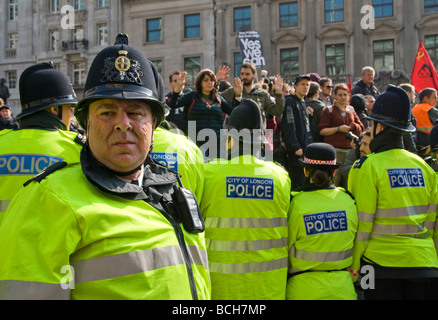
(320, 162)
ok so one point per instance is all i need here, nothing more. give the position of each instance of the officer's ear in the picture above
(53, 110)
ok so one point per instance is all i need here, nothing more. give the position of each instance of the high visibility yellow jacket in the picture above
(178, 153)
(245, 205)
(396, 196)
(66, 238)
(25, 153)
(322, 226)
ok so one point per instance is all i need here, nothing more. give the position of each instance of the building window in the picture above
(383, 54)
(192, 26)
(289, 64)
(158, 63)
(335, 62)
(54, 6)
(242, 18)
(13, 10)
(153, 30)
(431, 45)
(192, 66)
(78, 73)
(102, 3)
(102, 35)
(334, 10)
(237, 64)
(383, 8)
(78, 4)
(12, 40)
(288, 14)
(11, 78)
(53, 40)
(430, 5)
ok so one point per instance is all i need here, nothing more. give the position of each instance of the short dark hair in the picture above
(426, 93)
(173, 73)
(249, 65)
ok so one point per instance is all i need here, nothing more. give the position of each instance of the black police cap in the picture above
(42, 86)
(122, 72)
(320, 156)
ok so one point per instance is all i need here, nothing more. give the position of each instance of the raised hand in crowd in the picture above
(278, 84)
(181, 80)
(222, 73)
(238, 87)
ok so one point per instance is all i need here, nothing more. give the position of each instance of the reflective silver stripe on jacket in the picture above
(412, 231)
(404, 211)
(222, 245)
(249, 267)
(27, 290)
(4, 204)
(424, 128)
(320, 256)
(393, 231)
(133, 262)
(245, 222)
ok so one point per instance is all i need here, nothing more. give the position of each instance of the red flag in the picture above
(350, 84)
(424, 73)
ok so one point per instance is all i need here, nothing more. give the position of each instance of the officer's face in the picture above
(365, 146)
(120, 132)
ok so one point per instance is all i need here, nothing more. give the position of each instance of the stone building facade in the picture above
(330, 37)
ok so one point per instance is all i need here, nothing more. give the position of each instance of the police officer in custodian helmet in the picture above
(396, 197)
(121, 221)
(47, 98)
(245, 204)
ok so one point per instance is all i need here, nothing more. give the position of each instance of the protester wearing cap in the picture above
(245, 204)
(296, 133)
(7, 121)
(46, 97)
(117, 225)
(396, 197)
(322, 224)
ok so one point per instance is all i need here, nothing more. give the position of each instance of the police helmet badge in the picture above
(122, 69)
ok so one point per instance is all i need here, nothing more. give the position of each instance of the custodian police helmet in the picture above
(42, 86)
(393, 108)
(122, 72)
(247, 115)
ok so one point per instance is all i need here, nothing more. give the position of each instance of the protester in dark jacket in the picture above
(315, 108)
(366, 85)
(296, 133)
(358, 102)
(203, 109)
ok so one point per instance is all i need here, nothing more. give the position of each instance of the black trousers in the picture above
(296, 171)
(399, 289)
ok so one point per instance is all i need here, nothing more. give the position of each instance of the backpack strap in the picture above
(191, 107)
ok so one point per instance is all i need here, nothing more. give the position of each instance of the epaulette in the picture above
(80, 139)
(40, 176)
(360, 162)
